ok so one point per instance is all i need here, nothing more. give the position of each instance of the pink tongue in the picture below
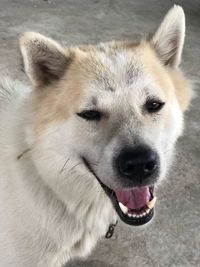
(135, 198)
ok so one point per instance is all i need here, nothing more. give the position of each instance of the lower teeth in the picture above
(134, 215)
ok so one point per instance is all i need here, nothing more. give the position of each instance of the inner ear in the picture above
(47, 72)
(168, 40)
(45, 61)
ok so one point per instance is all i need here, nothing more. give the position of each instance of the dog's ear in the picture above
(168, 40)
(45, 61)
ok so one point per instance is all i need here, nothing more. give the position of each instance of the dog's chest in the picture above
(95, 227)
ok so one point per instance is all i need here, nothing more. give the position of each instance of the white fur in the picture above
(52, 208)
(38, 228)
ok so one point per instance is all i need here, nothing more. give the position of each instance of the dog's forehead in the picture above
(116, 75)
(115, 68)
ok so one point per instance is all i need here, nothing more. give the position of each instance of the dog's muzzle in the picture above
(135, 205)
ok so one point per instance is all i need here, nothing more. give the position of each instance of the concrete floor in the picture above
(173, 238)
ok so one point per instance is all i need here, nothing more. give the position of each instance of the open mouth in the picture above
(135, 206)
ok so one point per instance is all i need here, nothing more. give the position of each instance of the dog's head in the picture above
(108, 114)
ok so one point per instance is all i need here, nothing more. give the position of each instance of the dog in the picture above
(87, 142)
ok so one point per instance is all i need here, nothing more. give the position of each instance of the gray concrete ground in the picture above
(173, 238)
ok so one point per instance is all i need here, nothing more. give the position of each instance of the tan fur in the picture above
(59, 100)
(183, 88)
(62, 98)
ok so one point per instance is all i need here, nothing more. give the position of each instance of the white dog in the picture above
(88, 143)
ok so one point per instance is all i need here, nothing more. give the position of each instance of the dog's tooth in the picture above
(129, 215)
(151, 203)
(147, 210)
(123, 208)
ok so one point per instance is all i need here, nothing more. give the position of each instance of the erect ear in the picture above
(169, 38)
(45, 61)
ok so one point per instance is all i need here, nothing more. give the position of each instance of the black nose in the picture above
(139, 163)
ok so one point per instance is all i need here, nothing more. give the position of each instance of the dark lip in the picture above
(111, 194)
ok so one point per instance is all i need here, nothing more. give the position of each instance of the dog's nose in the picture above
(137, 163)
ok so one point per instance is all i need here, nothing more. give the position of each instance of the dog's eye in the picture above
(153, 105)
(91, 115)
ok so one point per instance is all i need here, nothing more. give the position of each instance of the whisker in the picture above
(23, 153)
(63, 167)
(95, 164)
(75, 166)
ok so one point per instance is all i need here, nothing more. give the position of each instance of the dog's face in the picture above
(109, 115)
